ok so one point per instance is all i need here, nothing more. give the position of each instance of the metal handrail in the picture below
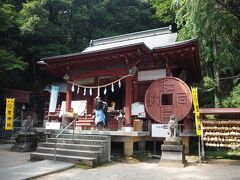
(55, 151)
(61, 133)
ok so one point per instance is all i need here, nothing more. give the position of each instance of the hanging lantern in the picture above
(72, 87)
(84, 92)
(119, 83)
(105, 90)
(90, 91)
(78, 90)
(98, 91)
(112, 88)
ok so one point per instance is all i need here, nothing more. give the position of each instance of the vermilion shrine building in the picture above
(149, 67)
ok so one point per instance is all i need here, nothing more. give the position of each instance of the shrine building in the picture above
(144, 77)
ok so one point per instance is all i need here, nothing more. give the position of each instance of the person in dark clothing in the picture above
(99, 114)
(105, 108)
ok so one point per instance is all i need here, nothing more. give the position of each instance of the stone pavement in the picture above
(16, 165)
(35, 169)
(11, 159)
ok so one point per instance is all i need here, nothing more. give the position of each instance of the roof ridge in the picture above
(131, 36)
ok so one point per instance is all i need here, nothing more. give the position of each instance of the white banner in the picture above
(53, 99)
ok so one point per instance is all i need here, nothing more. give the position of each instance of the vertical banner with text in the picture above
(196, 110)
(9, 113)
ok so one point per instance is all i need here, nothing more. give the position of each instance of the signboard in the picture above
(9, 113)
(138, 109)
(196, 110)
(151, 74)
(159, 130)
(52, 125)
(78, 107)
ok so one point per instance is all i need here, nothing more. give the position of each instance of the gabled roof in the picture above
(151, 38)
(158, 44)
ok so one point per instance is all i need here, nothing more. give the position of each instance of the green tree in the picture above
(218, 37)
(165, 11)
(233, 100)
(9, 34)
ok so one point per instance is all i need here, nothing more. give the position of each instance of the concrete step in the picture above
(69, 152)
(83, 136)
(91, 161)
(71, 146)
(77, 141)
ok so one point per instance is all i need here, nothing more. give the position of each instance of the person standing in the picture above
(105, 111)
(99, 114)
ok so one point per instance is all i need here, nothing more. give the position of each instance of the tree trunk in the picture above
(34, 87)
(216, 73)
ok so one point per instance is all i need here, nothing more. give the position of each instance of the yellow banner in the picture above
(198, 123)
(9, 114)
(196, 110)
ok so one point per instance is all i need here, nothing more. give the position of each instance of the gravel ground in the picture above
(127, 171)
(149, 171)
(10, 159)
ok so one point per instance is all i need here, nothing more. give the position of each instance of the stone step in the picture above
(87, 118)
(69, 152)
(87, 121)
(83, 136)
(77, 141)
(71, 146)
(83, 124)
(91, 161)
(87, 127)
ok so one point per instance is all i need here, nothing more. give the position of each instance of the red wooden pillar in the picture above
(135, 89)
(169, 67)
(68, 97)
(128, 100)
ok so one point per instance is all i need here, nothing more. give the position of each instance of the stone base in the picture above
(174, 164)
(172, 154)
(25, 143)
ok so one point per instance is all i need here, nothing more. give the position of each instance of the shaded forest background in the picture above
(33, 29)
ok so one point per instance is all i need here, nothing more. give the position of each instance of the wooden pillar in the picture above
(135, 85)
(68, 97)
(128, 100)
(169, 67)
(185, 140)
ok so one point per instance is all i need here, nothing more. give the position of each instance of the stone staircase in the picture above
(86, 149)
(85, 122)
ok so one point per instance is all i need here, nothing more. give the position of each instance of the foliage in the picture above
(164, 10)
(233, 100)
(209, 22)
(209, 83)
(9, 61)
(222, 153)
(218, 37)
